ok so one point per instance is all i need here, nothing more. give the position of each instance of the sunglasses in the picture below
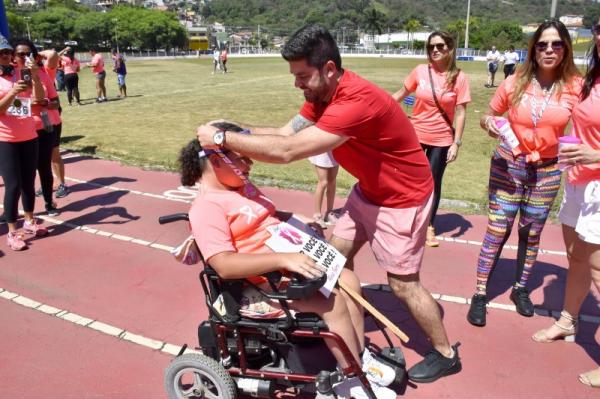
(557, 45)
(22, 54)
(438, 46)
(596, 29)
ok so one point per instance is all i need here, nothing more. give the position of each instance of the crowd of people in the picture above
(31, 126)
(399, 165)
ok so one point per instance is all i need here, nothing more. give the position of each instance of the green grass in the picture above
(170, 98)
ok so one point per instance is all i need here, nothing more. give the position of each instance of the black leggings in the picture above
(18, 162)
(437, 162)
(44, 168)
(72, 84)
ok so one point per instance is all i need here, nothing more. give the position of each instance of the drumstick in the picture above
(376, 313)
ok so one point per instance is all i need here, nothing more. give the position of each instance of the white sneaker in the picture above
(376, 371)
(353, 388)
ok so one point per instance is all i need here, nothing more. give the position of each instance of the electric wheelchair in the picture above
(260, 357)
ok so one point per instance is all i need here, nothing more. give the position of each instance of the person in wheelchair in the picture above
(229, 222)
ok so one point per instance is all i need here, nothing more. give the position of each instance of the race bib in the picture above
(295, 236)
(20, 107)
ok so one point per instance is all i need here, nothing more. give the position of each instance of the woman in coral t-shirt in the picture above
(580, 209)
(433, 120)
(525, 179)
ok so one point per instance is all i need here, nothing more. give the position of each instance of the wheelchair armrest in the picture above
(299, 288)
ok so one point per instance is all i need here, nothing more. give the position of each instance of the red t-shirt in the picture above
(383, 151)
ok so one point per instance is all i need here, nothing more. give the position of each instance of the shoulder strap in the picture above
(444, 114)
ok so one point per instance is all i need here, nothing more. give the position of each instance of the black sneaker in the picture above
(520, 297)
(435, 365)
(477, 311)
(38, 193)
(62, 191)
(52, 210)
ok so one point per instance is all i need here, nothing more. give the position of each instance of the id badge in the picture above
(21, 107)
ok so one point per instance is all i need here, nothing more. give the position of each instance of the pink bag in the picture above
(188, 252)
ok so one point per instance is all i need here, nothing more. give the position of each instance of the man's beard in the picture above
(318, 95)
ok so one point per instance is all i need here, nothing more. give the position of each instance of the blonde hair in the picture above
(566, 70)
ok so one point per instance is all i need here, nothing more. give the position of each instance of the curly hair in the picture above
(191, 165)
(25, 42)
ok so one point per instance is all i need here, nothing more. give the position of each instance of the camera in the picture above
(26, 76)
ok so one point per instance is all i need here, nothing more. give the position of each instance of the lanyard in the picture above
(536, 114)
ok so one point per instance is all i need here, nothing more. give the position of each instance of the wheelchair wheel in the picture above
(196, 376)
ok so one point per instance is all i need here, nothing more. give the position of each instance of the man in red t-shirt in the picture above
(372, 139)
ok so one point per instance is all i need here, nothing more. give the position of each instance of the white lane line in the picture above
(166, 347)
(96, 325)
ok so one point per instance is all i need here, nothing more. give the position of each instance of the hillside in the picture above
(283, 16)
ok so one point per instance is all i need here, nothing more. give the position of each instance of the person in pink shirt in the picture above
(71, 67)
(97, 65)
(580, 209)
(442, 93)
(524, 178)
(230, 229)
(20, 89)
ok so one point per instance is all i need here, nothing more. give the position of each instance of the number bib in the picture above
(295, 236)
(20, 107)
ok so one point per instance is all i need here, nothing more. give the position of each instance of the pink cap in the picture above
(569, 140)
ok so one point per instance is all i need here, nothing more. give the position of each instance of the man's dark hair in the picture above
(314, 44)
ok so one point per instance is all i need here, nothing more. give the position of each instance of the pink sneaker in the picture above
(14, 240)
(32, 227)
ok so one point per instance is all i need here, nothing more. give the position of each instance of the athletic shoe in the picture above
(38, 193)
(434, 366)
(62, 191)
(14, 240)
(34, 228)
(353, 388)
(331, 218)
(52, 210)
(376, 371)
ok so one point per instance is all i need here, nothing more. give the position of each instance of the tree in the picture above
(411, 26)
(374, 21)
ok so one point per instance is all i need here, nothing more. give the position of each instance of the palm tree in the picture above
(374, 21)
(411, 26)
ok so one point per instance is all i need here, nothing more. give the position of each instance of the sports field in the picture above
(170, 98)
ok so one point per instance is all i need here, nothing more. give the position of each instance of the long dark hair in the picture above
(566, 70)
(451, 68)
(592, 73)
(191, 165)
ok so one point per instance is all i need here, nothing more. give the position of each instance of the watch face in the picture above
(219, 137)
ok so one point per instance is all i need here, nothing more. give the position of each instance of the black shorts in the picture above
(56, 135)
(492, 67)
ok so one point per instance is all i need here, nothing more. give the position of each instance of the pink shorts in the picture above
(396, 235)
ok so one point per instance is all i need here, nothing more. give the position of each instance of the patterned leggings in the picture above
(516, 186)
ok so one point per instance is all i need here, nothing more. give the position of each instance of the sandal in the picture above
(591, 378)
(565, 333)
(431, 240)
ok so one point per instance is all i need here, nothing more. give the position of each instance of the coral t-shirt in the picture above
(226, 221)
(383, 151)
(50, 92)
(541, 142)
(70, 66)
(17, 123)
(586, 126)
(430, 125)
(97, 63)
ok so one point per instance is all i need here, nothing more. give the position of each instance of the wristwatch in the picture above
(458, 142)
(219, 138)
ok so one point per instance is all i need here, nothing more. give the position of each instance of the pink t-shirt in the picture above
(15, 128)
(70, 66)
(430, 126)
(226, 221)
(383, 151)
(50, 92)
(97, 63)
(540, 143)
(586, 126)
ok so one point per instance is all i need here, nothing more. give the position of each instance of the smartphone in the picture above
(26, 76)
